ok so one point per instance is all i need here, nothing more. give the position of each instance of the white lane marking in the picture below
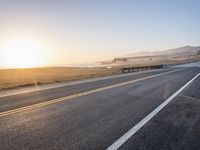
(13, 92)
(138, 126)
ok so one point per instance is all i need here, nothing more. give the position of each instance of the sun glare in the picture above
(23, 53)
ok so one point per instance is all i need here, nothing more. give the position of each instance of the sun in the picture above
(23, 53)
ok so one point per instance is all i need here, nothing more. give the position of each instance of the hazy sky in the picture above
(85, 31)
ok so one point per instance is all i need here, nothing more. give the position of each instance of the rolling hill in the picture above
(170, 56)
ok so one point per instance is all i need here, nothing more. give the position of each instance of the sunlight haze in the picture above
(52, 33)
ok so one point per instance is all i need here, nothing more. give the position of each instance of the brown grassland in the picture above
(12, 78)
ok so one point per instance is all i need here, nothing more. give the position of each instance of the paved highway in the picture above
(98, 114)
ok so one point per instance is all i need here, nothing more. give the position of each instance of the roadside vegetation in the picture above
(13, 78)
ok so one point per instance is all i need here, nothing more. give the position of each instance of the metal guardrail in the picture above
(142, 68)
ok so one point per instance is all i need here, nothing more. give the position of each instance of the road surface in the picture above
(97, 113)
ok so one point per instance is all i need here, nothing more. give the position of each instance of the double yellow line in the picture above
(54, 101)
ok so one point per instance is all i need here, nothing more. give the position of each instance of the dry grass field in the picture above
(12, 78)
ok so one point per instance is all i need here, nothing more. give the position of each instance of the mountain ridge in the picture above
(185, 50)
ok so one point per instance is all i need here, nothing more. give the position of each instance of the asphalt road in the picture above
(95, 120)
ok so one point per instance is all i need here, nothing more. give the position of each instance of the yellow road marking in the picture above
(53, 101)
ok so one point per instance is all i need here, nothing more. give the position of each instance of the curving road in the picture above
(95, 114)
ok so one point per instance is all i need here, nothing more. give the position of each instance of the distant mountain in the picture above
(181, 51)
(176, 55)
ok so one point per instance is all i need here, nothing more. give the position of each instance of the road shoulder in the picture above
(176, 127)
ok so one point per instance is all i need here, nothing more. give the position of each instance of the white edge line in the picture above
(80, 82)
(139, 125)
